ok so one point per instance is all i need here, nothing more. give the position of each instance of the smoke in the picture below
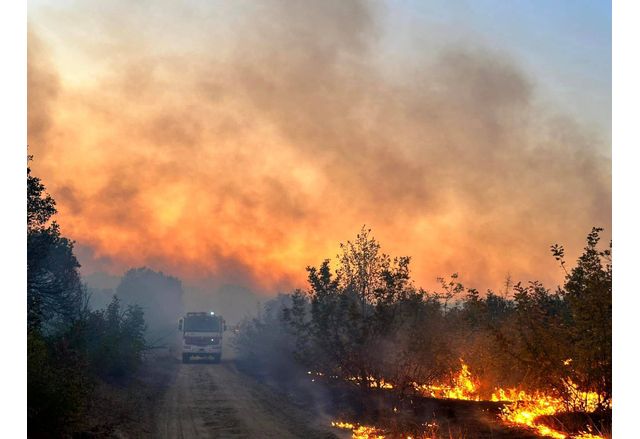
(233, 302)
(241, 142)
(42, 89)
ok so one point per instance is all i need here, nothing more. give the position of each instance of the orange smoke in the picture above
(246, 148)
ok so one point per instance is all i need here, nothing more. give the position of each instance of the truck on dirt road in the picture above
(202, 336)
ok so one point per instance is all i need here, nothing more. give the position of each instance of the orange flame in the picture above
(464, 387)
(359, 431)
(523, 409)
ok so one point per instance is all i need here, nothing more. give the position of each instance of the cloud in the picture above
(248, 140)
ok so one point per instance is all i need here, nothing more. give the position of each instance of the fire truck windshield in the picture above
(202, 323)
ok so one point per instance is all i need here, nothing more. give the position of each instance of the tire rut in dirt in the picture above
(212, 408)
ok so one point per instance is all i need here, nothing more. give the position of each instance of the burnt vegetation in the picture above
(362, 324)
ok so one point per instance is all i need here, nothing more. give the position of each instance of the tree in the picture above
(114, 339)
(57, 379)
(366, 322)
(159, 296)
(54, 288)
(588, 291)
(40, 206)
(68, 345)
(362, 266)
(450, 290)
(542, 341)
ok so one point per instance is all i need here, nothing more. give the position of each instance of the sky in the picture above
(239, 142)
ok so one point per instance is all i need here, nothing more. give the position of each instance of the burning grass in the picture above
(532, 411)
(360, 431)
(463, 387)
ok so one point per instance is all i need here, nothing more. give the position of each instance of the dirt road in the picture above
(218, 401)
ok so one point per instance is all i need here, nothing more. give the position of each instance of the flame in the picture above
(464, 387)
(526, 408)
(343, 425)
(586, 435)
(374, 382)
(359, 431)
(581, 400)
(523, 409)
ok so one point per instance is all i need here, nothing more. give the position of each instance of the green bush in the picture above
(68, 345)
(365, 322)
(57, 385)
(114, 339)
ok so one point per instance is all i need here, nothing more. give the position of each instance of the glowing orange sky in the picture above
(244, 154)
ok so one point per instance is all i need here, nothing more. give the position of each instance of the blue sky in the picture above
(564, 46)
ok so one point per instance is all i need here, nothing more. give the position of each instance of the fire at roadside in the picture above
(531, 412)
(537, 362)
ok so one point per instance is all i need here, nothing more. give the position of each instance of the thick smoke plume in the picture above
(241, 142)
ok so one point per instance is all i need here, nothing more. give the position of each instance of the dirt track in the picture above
(218, 401)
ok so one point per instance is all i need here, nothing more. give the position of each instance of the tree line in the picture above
(69, 345)
(365, 322)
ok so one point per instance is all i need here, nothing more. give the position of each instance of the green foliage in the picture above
(365, 322)
(114, 339)
(57, 385)
(63, 367)
(54, 289)
(40, 206)
(588, 292)
(538, 335)
(68, 345)
(565, 335)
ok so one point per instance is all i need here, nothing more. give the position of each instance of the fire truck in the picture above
(202, 336)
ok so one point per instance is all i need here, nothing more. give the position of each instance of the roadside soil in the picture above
(127, 409)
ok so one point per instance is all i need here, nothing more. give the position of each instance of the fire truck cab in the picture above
(202, 336)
